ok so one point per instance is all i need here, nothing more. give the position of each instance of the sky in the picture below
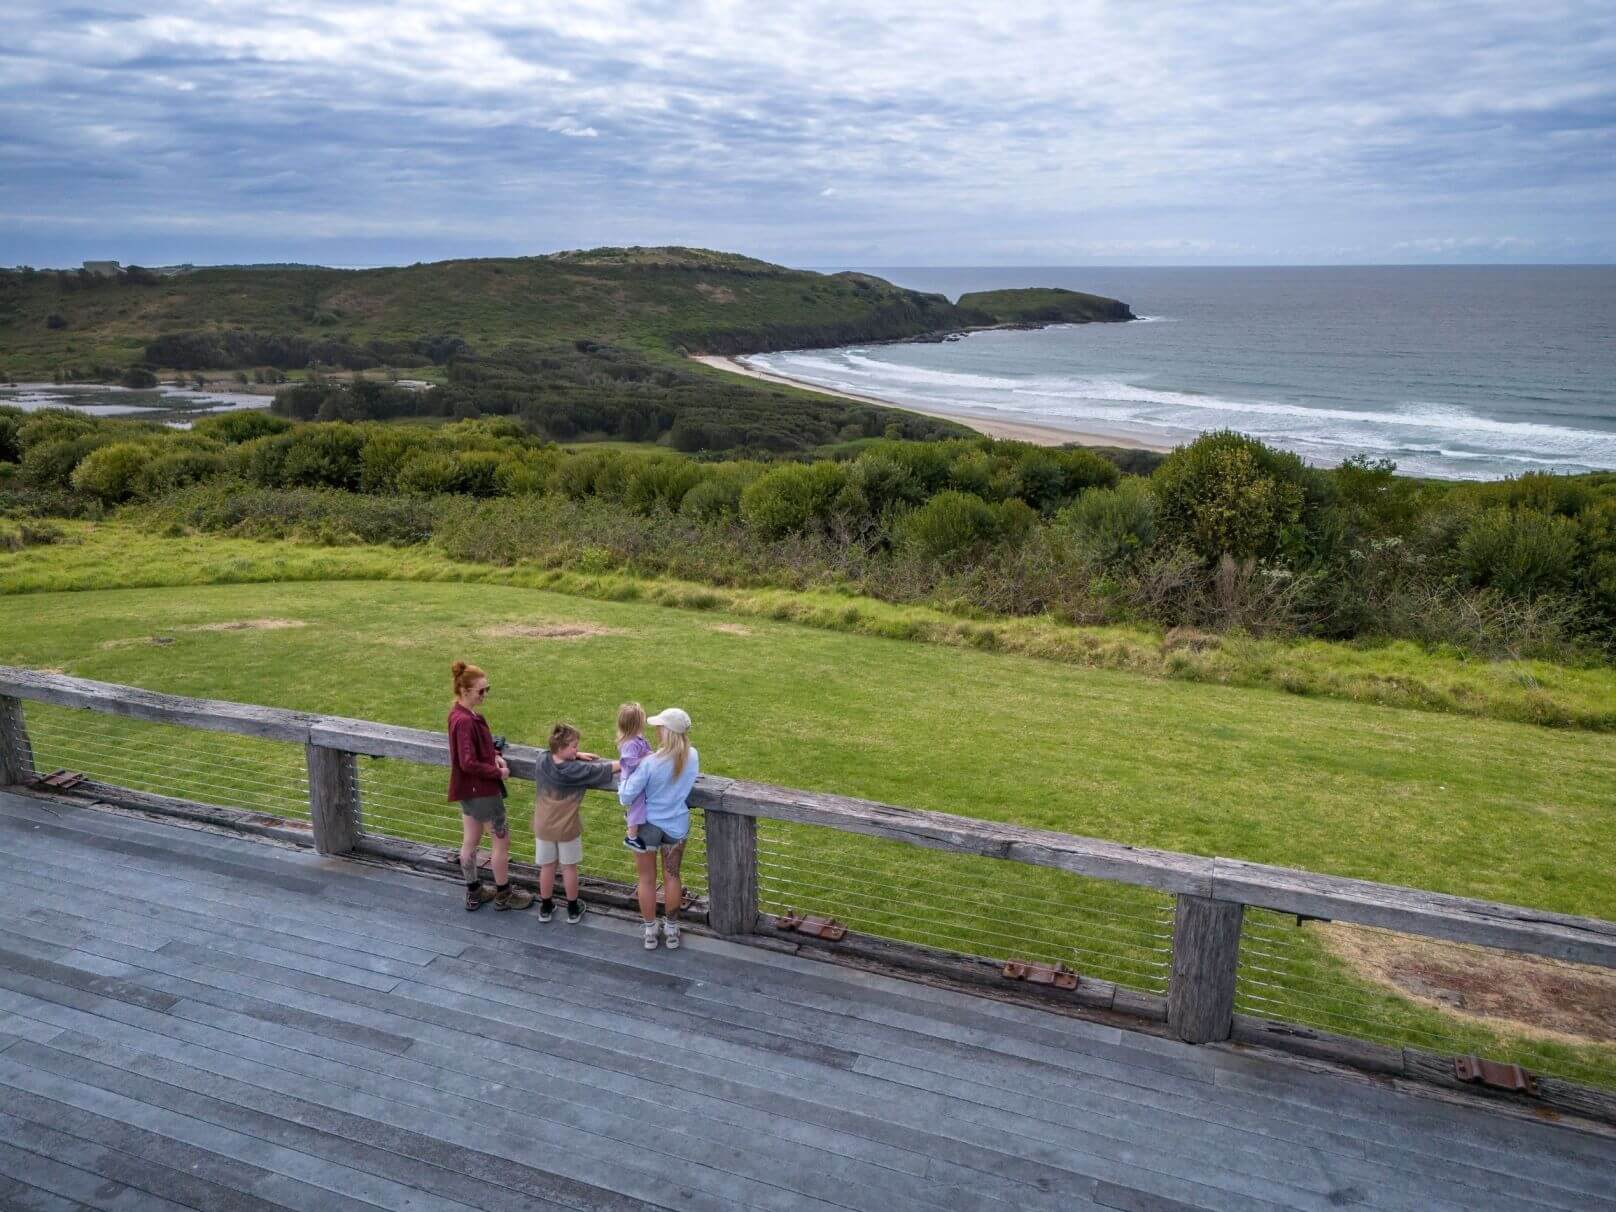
(816, 134)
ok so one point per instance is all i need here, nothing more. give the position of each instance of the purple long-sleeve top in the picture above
(631, 753)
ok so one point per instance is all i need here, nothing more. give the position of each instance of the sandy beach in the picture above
(1018, 431)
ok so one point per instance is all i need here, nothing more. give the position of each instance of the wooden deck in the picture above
(191, 1019)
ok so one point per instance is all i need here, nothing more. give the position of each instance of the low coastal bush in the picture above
(1224, 534)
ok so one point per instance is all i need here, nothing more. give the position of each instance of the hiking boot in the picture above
(650, 935)
(477, 897)
(575, 912)
(513, 898)
(670, 931)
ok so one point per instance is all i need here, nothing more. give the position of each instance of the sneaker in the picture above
(635, 844)
(670, 931)
(477, 897)
(650, 935)
(546, 910)
(575, 912)
(513, 898)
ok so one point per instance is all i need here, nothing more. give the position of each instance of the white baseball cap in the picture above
(675, 719)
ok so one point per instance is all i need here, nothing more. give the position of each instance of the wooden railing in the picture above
(1211, 894)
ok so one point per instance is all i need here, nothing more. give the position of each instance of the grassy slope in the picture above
(1203, 768)
(119, 554)
(648, 299)
(1408, 797)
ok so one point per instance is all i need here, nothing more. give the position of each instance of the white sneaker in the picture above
(670, 931)
(650, 936)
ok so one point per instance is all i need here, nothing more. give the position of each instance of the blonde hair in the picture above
(675, 745)
(630, 721)
(561, 736)
(465, 677)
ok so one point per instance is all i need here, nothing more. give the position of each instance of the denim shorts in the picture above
(655, 839)
(489, 810)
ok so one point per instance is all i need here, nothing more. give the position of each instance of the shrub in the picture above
(234, 428)
(51, 464)
(1114, 525)
(526, 474)
(1520, 552)
(10, 443)
(949, 524)
(322, 456)
(718, 495)
(1377, 499)
(14, 536)
(109, 473)
(428, 473)
(790, 498)
(476, 472)
(886, 483)
(1227, 494)
(53, 425)
(169, 470)
(139, 377)
(1014, 521)
(660, 482)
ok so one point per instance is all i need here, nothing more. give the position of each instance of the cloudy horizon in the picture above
(815, 134)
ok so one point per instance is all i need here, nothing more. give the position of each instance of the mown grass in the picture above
(1419, 798)
(114, 554)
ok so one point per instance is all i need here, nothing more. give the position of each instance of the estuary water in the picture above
(1465, 372)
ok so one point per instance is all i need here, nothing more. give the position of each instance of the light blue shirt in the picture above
(665, 792)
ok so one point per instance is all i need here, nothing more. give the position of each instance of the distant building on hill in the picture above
(103, 269)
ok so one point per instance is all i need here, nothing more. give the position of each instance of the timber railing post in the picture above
(333, 799)
(16, 754)
(732, 892)
(1206, 954)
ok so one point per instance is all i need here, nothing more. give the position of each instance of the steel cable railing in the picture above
(1497, 997)
(1448, 998)
(967, 904)
(269, 777)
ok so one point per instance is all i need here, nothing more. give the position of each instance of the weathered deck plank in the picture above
(274, 1027)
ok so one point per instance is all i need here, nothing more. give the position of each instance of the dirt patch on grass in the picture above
(732, 629)
(247, 625)
(1525, 994)
(163, 638)
(547, 631)
(718, 294)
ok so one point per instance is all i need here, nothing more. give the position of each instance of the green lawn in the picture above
(1486, 808)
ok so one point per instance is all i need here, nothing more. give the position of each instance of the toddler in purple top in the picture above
(632, 749)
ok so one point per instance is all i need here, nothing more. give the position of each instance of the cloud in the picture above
(1244, 129)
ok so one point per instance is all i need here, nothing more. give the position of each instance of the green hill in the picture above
(578, 344)
(657, 301)
(1045, 305)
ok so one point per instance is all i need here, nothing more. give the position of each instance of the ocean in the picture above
(1463, 372)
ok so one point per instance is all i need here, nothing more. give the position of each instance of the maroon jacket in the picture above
(472, 771)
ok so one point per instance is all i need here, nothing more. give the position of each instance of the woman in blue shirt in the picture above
(665, 778)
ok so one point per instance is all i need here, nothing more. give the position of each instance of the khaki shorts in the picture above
(568, 854)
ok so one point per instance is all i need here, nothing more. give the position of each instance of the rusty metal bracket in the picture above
(827, 928)
(1497, 1074)
(60, 780)
(1058, 975)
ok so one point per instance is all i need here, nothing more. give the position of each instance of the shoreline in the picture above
(1037, 433)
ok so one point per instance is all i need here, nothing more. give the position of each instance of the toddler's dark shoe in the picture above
(634, 843)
